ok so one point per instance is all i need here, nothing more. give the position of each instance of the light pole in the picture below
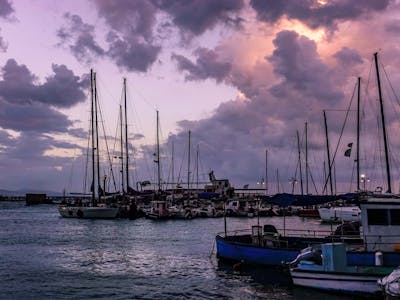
(364, 179)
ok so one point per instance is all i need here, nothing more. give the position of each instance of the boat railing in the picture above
(286, 232)
(293, 233)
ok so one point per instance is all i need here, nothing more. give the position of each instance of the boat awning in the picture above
(284, 199)
(209, 195)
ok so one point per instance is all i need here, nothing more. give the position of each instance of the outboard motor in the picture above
(310, 254)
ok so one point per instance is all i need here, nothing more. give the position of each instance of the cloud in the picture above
(32, 117)
(6, 10)
(130, 18)
(84, 44)
(278, 94)
(198, 16)
(131, 41)
(348, 57)
(316, 14)
(393, 26)
(295, 59)
(131, 54)
(207, 65)
(63, 89)
(29, 109)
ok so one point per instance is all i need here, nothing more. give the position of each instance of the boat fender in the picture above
(79, 213)
(378, 258)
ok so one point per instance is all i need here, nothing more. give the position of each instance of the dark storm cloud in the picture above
(234, 139)
(84, 44)
(6, 8)
(130, 17)
(63, 89)
(314, 14)
(197, 16)
(296, 60)
(33, 117)
(131, 54)
(131, 41)
(348, 57)
(206, 66)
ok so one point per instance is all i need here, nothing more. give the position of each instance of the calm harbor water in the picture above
(44, 256)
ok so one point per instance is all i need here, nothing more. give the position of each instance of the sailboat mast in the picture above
(97, 139)
(306, 134)
(172, 166)
(277, 180)
(92, 131)
(329, 155)
(126, 141)
(122, 150)
(266, 171)
(197, 167)
(389, 190)
(358, 133)
(299, 157)
(188, 170)
(158, 157)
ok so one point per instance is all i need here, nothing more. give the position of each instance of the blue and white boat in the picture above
(380, 231)
(327, 270)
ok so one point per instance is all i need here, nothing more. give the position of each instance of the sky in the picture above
(243, 76)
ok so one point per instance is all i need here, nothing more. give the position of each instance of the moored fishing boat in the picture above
(327, 269)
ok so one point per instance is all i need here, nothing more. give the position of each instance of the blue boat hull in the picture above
(237, 250)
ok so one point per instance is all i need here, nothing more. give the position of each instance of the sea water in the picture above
(45, 256)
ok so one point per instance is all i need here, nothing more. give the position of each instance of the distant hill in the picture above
(23, 192)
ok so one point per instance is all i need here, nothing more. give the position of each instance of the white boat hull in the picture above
(88, 212)
(340, 214)
(336, 281)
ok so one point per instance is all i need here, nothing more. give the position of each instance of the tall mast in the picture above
(389, 190)
(92, 131)
(306, 134)
(266, 171)
(122, 150)
(277, 180)
(197, 167)
(158, 157)
(172, 166)
(358, 134)
(188, 170)
(299, 157)
(329, 155)
(126, 141)
(97, 139)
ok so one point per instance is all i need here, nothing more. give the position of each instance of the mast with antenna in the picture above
(389, 190)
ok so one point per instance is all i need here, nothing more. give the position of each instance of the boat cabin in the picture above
(380, 220)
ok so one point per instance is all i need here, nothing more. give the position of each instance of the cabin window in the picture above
(377, 217)
(395, 216)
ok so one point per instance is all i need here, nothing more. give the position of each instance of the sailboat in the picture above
(159, 206)
(95, 209)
